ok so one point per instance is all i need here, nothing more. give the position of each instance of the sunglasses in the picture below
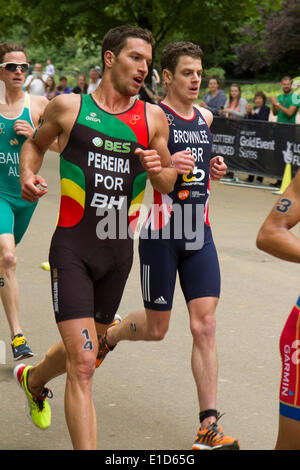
(12, 67)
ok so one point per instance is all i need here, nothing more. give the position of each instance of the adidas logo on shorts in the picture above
(160, 300)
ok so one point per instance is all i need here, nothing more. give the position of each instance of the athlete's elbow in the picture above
(260, 240)
(265, 239)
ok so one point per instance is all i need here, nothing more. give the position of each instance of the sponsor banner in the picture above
(256, 147)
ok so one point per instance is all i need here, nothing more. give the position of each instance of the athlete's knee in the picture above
(157, 334)
(81, 367)
(8, 260)
(203, 327)
(157, 331)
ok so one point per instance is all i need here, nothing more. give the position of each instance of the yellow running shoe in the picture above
(20, 348)
(38, 408)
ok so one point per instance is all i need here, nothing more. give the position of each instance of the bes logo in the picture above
(119, 147)
(97, 142)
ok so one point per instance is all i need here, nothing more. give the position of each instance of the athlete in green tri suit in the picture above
(107, 142)
(19, 115)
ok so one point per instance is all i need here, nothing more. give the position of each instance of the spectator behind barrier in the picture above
(215, 99)
(285, 107)
(63, 87)
(82, 85)
(259, 112)
(235, 106)
(35, 83)
(94, 80)
(50, 91)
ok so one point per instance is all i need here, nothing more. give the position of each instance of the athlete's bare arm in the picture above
(275, 236)
(158, 159)
(37, 108)
(57, 122)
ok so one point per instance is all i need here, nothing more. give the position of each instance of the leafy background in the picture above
(254, 42)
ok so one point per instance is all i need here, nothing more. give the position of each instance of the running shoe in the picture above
(103, 348)
(212, 438)
(38, 408)
(20, 347)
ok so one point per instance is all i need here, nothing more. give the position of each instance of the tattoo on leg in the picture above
(88, 345)
(2, 283)
(133, 327)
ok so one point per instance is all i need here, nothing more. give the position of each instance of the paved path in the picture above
(144, 392)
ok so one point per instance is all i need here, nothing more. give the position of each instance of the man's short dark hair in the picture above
(115, 39)
(63, 78)
(7, 47)
(214, 78)
(173, 51)
(287, 78)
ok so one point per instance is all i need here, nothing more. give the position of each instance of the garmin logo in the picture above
(93, 117)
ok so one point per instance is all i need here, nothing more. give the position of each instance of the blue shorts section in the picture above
(160, 260)
(289, 411)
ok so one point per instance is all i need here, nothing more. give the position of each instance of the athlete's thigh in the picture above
(108, 292)
(7, 218)
(288, 434)
(199, 273)
(72, 287)
(23, 215)
(200, 308)
(158, 269)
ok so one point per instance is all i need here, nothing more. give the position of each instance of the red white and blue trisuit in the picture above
(290, 356)
(176, 236)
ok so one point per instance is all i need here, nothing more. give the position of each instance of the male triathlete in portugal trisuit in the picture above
(110, 142)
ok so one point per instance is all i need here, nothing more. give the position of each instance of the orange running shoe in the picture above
(103, 348)
(212, 438)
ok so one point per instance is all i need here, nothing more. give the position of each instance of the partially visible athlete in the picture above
(276, 238)
(177, 238)
(19, 116)
(109, 142)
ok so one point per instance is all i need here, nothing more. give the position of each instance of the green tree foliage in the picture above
(214, 24)
(270, 40)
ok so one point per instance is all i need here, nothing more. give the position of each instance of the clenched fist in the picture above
(150, 161)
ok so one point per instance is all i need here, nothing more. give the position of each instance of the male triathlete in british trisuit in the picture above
(19, 115)
(110, 142)
(275, 237)
(189, 249)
